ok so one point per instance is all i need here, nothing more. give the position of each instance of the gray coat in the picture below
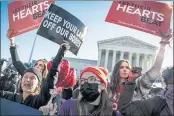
(143, 85)
(147, 107)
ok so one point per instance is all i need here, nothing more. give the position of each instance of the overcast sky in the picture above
(93, 15)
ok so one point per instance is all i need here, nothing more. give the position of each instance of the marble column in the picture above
(152, 60)
(137, 59)
(130, 58)
(99, 57)
(106, 58)
(145, 62)
(121, 55)
(113, 59)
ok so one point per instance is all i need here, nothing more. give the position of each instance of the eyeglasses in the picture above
(91, 79)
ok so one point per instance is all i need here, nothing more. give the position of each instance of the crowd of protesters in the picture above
(53, 87)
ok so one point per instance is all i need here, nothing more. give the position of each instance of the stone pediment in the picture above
(127, 41)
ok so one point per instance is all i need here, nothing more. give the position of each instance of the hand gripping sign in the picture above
(25, 16)
(59, 25)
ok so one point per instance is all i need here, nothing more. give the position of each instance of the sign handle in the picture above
(32, 50)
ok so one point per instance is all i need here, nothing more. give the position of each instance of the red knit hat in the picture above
(98, 72)
(104, 70)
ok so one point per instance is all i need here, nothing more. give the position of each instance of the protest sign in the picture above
(25, 16)
(11, 108)
(59, 25)
(147, 16)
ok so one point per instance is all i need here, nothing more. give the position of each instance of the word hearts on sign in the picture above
(25, 16)
(147, 16)
(59, 25)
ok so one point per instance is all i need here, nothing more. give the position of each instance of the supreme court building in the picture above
(136, 51)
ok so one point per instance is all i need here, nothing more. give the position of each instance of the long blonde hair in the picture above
(37, 90)
(45, 71)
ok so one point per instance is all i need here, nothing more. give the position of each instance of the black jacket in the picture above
(16, 61)
(41, 99)
(147, 107)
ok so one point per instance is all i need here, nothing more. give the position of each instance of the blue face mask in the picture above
(169, 96)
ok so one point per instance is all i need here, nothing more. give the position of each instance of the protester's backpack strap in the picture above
(159, 108)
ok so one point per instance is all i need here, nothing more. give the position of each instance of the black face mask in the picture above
(89, 91)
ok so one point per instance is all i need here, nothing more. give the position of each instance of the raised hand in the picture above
(134, 74)
(65, 44)
(166, 37)
(10, 33)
